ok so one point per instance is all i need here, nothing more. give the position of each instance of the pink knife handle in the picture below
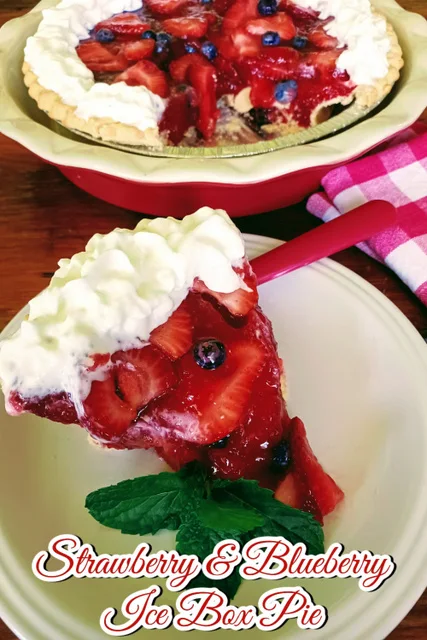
(338, 234)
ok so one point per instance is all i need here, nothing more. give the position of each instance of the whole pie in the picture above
(207, 72)
(153, 338)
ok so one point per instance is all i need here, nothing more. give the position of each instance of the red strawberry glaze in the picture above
(230, 418)
(235, 29)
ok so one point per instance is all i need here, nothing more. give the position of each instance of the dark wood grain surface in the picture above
(43, 218)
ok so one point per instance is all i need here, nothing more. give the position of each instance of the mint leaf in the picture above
(224, 514)
(194, 537)
(149, 503)
(279, 519)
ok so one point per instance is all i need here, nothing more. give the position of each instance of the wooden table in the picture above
(43, 218)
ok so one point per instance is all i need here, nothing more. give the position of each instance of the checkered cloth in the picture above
(397, 173)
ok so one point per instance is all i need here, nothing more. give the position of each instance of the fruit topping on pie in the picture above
(154, 339)
(267, 66)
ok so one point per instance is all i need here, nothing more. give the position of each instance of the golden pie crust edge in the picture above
(108, 130)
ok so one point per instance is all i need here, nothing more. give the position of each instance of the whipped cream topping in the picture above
(361, 31)
(112, 295)
(51, 54)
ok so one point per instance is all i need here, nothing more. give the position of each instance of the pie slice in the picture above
(153, 338)
(168, 72)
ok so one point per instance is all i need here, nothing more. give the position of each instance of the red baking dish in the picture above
(176, 186)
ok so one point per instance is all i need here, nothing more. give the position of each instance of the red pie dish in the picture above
(204, 384)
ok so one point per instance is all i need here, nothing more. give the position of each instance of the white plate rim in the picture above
(389, 610)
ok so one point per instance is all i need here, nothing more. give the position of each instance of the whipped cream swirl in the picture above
(112, 295)
(363, 33)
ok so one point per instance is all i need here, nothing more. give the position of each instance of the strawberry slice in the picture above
(322, 61)
(145, 73)
(245, 43)
(214, 415)
(142, 375)
(57, 407)
(229, 80)
(124, 24)
(203, 79)
(239, 14)
(175, 336)
(323, 488)
(177, 118)
(179, 68)
(280, 23)
(262, 93)
(321, 39)
(139, 49)
(278, 64)
(239, 302)
(106, 415)
(186, 27)
(100, 57)
(166, 7)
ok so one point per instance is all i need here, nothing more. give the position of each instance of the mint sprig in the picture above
(204, 512)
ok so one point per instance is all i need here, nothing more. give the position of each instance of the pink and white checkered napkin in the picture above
(397, 174)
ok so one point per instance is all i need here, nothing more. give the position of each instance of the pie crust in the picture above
(108, 130)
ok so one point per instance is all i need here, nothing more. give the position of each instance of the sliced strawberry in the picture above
(175, 336)
(324, 62)
(322, 487)
(245, 43)
(127, 24)
(57, 407)
(178, 117)
(186, 27)
(106, 415)
(139, 49)
(145, 73)
(222, 6)
(321, 39)
(143, 374)
(239, 302)
(99, 57)
(262, 93)
(238, 15)
(203, 79)
(179, 68)
(176, 453)
(280, 23)
(99, 360)
(281, 63)
(166, 7)
(229, 80)
(212, 415)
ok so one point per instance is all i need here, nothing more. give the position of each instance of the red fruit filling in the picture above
(207, 387)
(200, 53)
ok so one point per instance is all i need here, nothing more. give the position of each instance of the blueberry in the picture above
(220, 444)
(286, 91)
(281, 457)
(205, 1)
(209, 50)
(299, 42)
(267, 7)
(149, 35)
(259, 117)
(190, 48)
(105, 35)
(163, 38)
(270, 39)
(209, 354)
